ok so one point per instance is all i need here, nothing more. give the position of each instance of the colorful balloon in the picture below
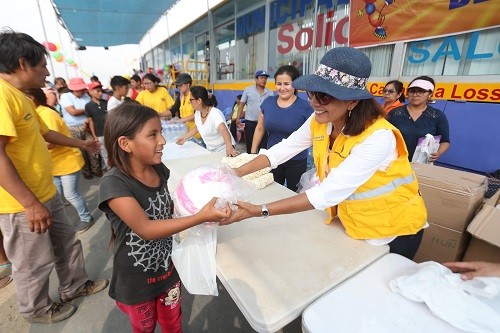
(56, 54)
(58, 46)
(70, 61)
(51, 47)
(60, 59)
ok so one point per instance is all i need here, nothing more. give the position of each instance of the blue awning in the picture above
(107, 23)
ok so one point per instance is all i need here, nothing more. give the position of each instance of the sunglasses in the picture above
(322, 98)
(417, 91)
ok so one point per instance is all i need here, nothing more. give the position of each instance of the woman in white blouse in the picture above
(210, 123)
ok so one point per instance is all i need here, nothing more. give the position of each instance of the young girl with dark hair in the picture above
(135, 198)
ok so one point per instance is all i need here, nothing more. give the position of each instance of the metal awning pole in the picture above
(45, 36)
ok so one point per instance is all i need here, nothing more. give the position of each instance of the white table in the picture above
(173, 151)
(274, 268)
(365, 303)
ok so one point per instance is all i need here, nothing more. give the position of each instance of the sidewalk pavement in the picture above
(98, 313)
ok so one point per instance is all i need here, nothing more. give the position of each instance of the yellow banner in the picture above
(374, 22)
(465, 91)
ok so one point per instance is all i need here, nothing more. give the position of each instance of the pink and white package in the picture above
(201, 184)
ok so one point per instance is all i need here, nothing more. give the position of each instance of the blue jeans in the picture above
(69, 186)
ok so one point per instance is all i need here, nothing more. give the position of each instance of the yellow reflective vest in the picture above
(389, 204)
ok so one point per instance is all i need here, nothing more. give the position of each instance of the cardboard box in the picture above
(442, 244)
(479, 250)
(485, 229)
(452, 197)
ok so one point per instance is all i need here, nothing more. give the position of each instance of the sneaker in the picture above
(90, 287)
(56, 312)
(84, 226)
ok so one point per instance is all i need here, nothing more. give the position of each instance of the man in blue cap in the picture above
(252, 97)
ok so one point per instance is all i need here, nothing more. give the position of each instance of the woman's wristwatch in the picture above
(264, 212)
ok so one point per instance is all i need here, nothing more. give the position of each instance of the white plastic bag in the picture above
(308, 180)
(193, 254)
(426, 146)
(194, 249)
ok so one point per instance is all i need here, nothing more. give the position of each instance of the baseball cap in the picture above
(183, 78)
(93, 85)
(261, 72)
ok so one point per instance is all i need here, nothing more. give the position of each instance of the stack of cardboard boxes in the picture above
(452, 199)
(485, 230)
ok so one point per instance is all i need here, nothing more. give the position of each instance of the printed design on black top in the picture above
(153, 254)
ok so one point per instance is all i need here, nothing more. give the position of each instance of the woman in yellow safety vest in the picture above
(361, 160)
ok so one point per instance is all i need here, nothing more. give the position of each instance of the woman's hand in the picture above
(243, 211)
(471, 270)
(433, 157)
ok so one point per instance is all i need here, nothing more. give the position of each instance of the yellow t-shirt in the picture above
(26, 148)
(160, 100)
(65, 160)
(185, 110)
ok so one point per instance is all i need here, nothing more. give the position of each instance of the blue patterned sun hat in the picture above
(343, 73)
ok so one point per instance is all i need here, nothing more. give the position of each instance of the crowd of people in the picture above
(359, 146)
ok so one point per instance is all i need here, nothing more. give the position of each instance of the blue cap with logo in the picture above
(261, 72)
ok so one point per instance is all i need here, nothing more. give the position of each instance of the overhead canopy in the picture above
(111, 22)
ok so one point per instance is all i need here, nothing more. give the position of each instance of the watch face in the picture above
(265, 212)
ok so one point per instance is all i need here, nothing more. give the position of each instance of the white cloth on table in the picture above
(472, 305)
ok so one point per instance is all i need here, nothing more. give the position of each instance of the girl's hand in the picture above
(181, 140)
(212, 214)
(244, 211)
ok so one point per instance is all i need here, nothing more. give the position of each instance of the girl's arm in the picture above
(130, 212)
(258, 134)
(192, 132)
(230, 151)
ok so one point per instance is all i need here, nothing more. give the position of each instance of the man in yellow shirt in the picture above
(33, 221)
(183, 83)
